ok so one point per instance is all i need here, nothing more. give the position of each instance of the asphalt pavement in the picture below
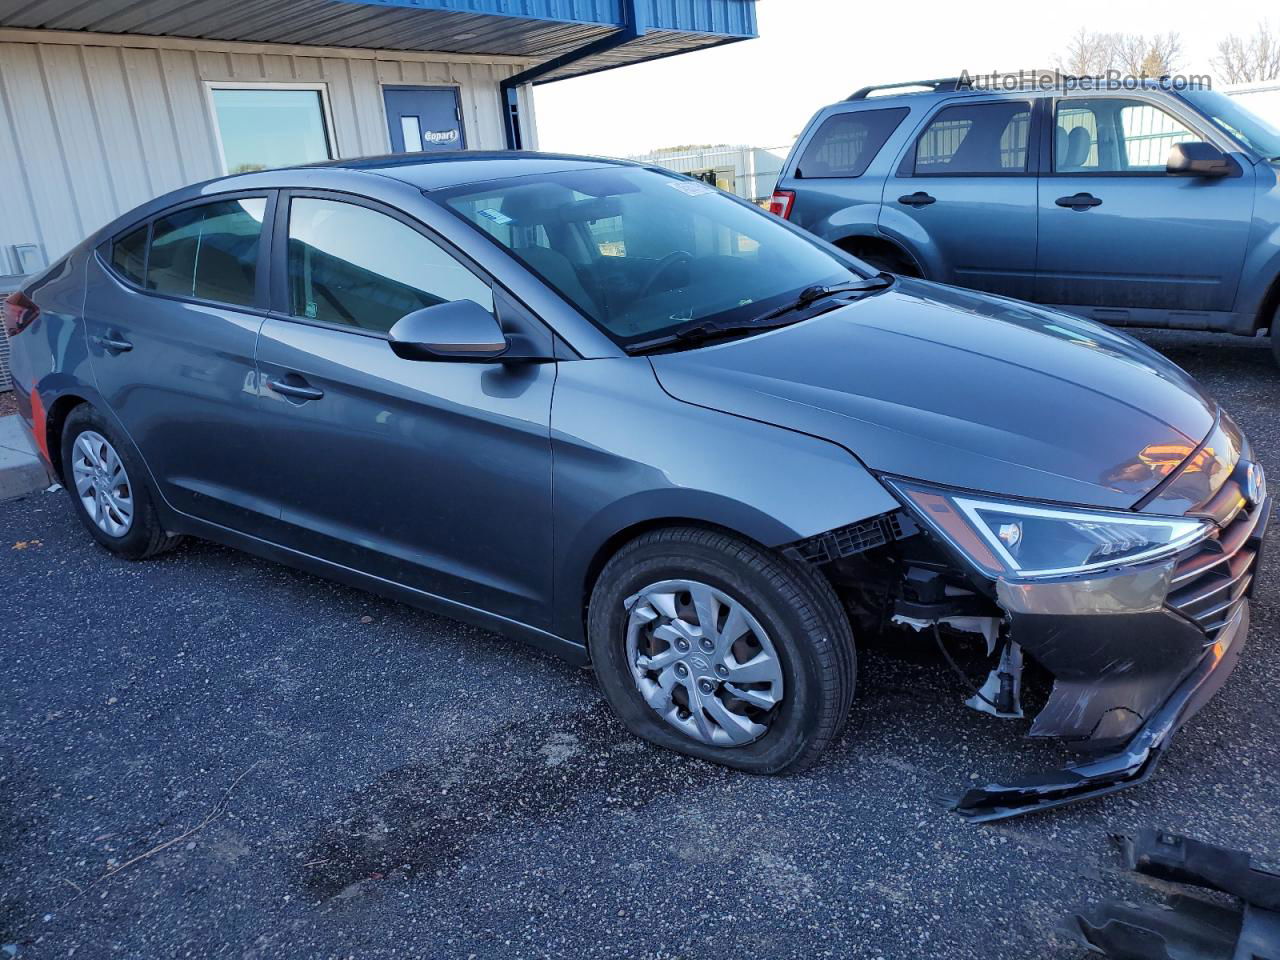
(207, 755)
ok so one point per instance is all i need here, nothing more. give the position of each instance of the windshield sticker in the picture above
(497, 216)
(692, 188)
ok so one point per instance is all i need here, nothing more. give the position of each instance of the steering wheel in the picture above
(664, 265)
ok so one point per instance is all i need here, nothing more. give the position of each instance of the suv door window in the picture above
(209, 252)
(847, 143)
(348, 264)
(975, 138)
(1114, 135)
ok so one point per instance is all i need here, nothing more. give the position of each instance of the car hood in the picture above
(963, 389)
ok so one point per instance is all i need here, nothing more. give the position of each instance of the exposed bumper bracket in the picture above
(1126, 768)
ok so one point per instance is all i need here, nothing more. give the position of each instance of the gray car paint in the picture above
(921, 380)
(726, 435)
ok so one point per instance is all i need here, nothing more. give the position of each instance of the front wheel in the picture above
(720, 649)
(1275, 334)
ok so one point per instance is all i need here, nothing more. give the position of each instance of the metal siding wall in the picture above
(90, 131)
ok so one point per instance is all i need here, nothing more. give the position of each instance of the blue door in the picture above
(424, 119)
(963, 198)
(1118, 234)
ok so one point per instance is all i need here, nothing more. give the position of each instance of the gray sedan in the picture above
(629, 418)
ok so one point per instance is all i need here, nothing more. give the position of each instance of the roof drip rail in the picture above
(934, 86)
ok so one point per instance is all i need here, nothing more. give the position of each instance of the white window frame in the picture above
(325, 109)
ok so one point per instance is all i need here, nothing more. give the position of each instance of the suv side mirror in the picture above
(1197, 159)
(455, 330)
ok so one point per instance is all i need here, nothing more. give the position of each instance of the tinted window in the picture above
(260, 128)
(847, 143)
(640, 252)
(209, 252)
(349, 264)
(975, 138)
(1114, 135)
(129, 254)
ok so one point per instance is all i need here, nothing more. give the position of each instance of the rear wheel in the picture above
(720, 649)
(106, 486)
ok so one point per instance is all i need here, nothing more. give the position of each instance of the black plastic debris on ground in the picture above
(1188, 927)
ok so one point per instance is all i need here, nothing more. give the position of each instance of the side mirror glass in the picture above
(1198, 159)
(456, 330)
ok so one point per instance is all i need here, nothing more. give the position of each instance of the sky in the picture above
(814, 52)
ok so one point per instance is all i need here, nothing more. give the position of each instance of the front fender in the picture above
(627, 454)
(1261, 272)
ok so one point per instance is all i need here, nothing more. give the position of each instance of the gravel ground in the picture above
(211, 756)
(8, 404)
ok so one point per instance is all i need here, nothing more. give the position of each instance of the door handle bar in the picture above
(114, 343)
(917, 199)
(1079, 201)
(294, 390)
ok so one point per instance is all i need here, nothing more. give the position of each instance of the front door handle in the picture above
(1079, 201)
(917, 199)
(114, 343)
(300, 391)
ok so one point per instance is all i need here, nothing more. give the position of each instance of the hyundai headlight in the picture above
(1022, 540)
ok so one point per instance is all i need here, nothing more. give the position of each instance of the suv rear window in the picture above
(969, 138)
(845, 144)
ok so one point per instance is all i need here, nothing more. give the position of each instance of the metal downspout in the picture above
(630, 30)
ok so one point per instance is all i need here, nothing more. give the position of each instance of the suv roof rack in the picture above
(934, 86)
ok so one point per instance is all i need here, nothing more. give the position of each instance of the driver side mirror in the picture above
(459, 330)
(1197, 159)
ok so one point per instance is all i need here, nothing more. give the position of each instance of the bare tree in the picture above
(1143, 56)
(1251, 59)
(1091, 54)
(1088, 54)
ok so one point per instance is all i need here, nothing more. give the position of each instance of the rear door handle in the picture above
(1079, 201)
(114, 344)
(917, 199)
(300, 391)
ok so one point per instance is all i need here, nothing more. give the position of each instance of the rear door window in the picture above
(351, 265)
(975, 139)
(208, 252)
(845, 144)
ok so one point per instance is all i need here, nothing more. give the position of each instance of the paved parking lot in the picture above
(208, 755)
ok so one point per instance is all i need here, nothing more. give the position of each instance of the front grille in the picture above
(1213, 579)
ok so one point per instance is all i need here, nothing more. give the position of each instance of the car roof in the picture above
(456, 168)
(423, 172)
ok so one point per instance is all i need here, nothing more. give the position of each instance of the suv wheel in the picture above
(1275, 334)
(720, 649)
(106, 486)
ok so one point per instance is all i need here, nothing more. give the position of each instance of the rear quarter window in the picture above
(129, 254)
(846, 143)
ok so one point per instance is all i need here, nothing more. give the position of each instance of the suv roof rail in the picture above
(934, 86)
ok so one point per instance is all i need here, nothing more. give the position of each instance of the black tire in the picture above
(795, 605)
(145, 536)
(888, 259)
(1275, 334)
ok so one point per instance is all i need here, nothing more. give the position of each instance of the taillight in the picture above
(781, 202)
(19, 313)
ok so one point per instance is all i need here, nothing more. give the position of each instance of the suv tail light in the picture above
(781, 202)
(19, 313)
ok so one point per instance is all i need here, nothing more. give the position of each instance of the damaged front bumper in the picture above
(1127, 767)
(1134, 655)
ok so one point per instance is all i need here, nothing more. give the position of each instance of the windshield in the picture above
(641, 252)
(1236, 119)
